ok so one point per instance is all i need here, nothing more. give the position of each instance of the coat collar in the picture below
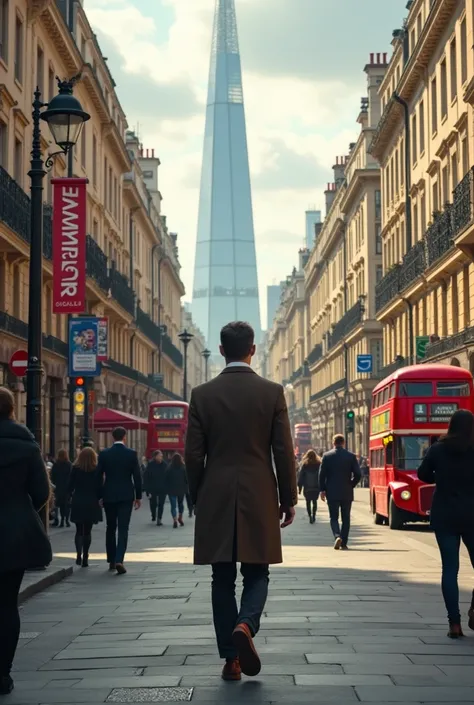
(239, 368)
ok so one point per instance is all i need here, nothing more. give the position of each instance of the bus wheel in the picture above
(379, 520)
(395, 516)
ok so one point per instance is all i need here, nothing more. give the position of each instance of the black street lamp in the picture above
(206, 355)
(185, 337)
(65, 117)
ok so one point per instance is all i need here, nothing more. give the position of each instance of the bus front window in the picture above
(411, 451)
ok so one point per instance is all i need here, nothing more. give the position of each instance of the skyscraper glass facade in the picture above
(225, 271)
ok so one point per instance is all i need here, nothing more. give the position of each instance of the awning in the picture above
(108, 419)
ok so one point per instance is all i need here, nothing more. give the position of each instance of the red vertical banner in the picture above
(69, 245)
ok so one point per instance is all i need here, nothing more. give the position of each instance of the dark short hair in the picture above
(237, 339)
(157, 452)
(338, 439)
(119, 433)
(7, 404)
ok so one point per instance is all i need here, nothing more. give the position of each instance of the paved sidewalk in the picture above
(364, 625)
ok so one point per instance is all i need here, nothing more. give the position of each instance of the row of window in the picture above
(414, 390)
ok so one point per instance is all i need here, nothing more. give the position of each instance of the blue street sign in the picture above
(83, 347)
(364, 363)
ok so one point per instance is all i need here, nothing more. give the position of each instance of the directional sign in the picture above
(421, 342)
(19, 363)
(364, 363)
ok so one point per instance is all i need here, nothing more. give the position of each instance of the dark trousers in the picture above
(64, 510)
(83, 539)
(224, 605)
(449, 545)
(342, 509)
(177, 505)
(157, 503)
(189, 504)
(311, 506)
(118, 516)
(9, 618)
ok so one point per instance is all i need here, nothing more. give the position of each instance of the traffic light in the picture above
(79, 397)
(350, 416)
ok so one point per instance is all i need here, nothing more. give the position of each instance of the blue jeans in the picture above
(449, 543)
(224, 605)
(118, 516)
(176, 501)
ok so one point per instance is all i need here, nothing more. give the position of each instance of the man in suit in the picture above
(338, 475)
(119, 485)
(237, 422)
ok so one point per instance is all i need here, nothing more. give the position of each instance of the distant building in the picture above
(273, 301)
(313, 218)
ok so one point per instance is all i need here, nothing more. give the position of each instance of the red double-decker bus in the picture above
(167, 425)
(302, 438)
(411, 409)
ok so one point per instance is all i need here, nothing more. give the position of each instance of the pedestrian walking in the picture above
(119, 487)
(236, 421)
(338, 475)
(308, 482)
(154, 484)
(364, 472)
(177, 488)
(85, 508)
(24, 544)
(60, 476)
(449, 465)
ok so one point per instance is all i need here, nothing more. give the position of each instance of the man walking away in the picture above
(236, 422)
(339, 474)
(119, 486)
(155, 486)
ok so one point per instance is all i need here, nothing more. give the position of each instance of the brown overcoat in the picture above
(236, 421)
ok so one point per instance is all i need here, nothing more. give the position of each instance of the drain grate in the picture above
(150, 695)
(168, 597)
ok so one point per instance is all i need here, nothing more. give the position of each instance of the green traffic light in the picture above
(350, 414)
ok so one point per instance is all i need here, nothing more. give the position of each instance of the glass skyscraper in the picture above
(225, 270)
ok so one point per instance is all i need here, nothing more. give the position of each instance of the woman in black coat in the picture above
(60, 475)
(176, 488)
(308, 481)
(85, 508)
(449, 465)
(24, 544)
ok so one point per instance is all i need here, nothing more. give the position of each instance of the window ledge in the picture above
(18, 84)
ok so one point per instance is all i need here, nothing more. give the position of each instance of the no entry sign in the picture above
(19, 363)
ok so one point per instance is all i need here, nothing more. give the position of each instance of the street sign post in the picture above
(19, 363)
(365, 363)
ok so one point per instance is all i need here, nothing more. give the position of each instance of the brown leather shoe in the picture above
(120, 568)
(455, 631)
(249, 659)
(232, 671)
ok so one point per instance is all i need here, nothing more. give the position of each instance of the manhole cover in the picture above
(150, 695)
(167, 597)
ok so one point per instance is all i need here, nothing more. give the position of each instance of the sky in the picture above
(303, 78)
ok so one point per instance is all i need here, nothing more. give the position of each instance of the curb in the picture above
(45, 582)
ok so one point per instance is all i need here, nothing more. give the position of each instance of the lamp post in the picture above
(206, 355)
(185, 337)
(65, 118)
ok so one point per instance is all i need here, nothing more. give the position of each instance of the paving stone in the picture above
(400, 694)
(351, 658)
(344, 679)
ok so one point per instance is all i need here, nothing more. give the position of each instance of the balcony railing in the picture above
(413, 265)
(315, 354)
(388, 287)
(439, 235)
(347, 323)
(451, 343)
(392, 367)
(463, 211)
(96, 264)
(169, 348)
(47, 231)
(147, 380)
(300, 373)
(336, 387)
(147, 326)
(121, 290)
(15, 326)
(55, 345)
(14, 205)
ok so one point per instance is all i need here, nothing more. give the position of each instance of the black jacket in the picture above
(452, 471)
(154, 481)
(85, 508)
(308, 479)
(24, 490)
(339, 474)
(60, 475)
(118, 474)
(176, 480)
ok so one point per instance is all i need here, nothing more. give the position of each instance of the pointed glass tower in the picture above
(225, 270)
